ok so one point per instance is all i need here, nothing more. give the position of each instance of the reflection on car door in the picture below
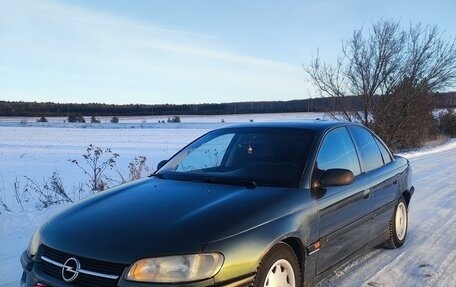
(344, 212)
(383, 175)
(385, 190)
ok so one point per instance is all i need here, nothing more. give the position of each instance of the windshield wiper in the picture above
(159, 175)
(233, 181)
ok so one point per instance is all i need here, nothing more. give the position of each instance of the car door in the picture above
(381, 177)
(344, 212)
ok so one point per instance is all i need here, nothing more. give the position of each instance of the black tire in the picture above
(398, 225)
(282, 260)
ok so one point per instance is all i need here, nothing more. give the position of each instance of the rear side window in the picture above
(368, 148)
(338, 151)
(384, 150)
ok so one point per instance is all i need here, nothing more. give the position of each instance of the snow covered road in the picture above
(428, 258)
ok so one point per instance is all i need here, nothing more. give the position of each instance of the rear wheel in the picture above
(398, 225)
(279, 268)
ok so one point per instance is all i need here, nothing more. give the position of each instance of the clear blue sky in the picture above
(183, 51)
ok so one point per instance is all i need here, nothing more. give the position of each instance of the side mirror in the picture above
(336, 177)
(161, 164)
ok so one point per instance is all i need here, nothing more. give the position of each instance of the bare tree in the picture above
(137, 169)
(50, 192)
(385, 78)
(97, 160)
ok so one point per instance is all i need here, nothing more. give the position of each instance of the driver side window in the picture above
(338, 151)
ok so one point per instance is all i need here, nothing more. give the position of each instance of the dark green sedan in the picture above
(257, 204)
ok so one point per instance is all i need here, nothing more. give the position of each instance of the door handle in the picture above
(366, 193)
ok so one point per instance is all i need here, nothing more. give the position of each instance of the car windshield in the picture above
(245, 156)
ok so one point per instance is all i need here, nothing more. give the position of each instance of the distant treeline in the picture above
(34, 109)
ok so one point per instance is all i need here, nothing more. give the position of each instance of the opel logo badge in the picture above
(70, 269)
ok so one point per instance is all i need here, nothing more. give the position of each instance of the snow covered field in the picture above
(37, 150)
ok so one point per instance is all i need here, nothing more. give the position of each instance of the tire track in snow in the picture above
(419, 264)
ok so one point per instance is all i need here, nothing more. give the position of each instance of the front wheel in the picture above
(398, 225)
(279, 268)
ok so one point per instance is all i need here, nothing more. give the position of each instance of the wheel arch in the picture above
(299, 250)
(292, 246)
(407, 194)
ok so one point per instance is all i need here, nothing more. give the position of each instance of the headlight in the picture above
(174, 269)
(34, 243)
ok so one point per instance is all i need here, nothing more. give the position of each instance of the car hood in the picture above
(153, 217)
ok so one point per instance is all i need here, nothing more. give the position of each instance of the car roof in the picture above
(319, 126)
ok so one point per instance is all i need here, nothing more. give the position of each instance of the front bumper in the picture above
(33, 276)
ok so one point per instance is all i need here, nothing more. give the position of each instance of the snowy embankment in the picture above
(427, 259)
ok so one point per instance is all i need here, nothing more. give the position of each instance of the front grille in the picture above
(83, 280)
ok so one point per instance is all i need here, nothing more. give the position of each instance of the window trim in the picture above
(314, 169)
(374, 137)
(390, 154)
